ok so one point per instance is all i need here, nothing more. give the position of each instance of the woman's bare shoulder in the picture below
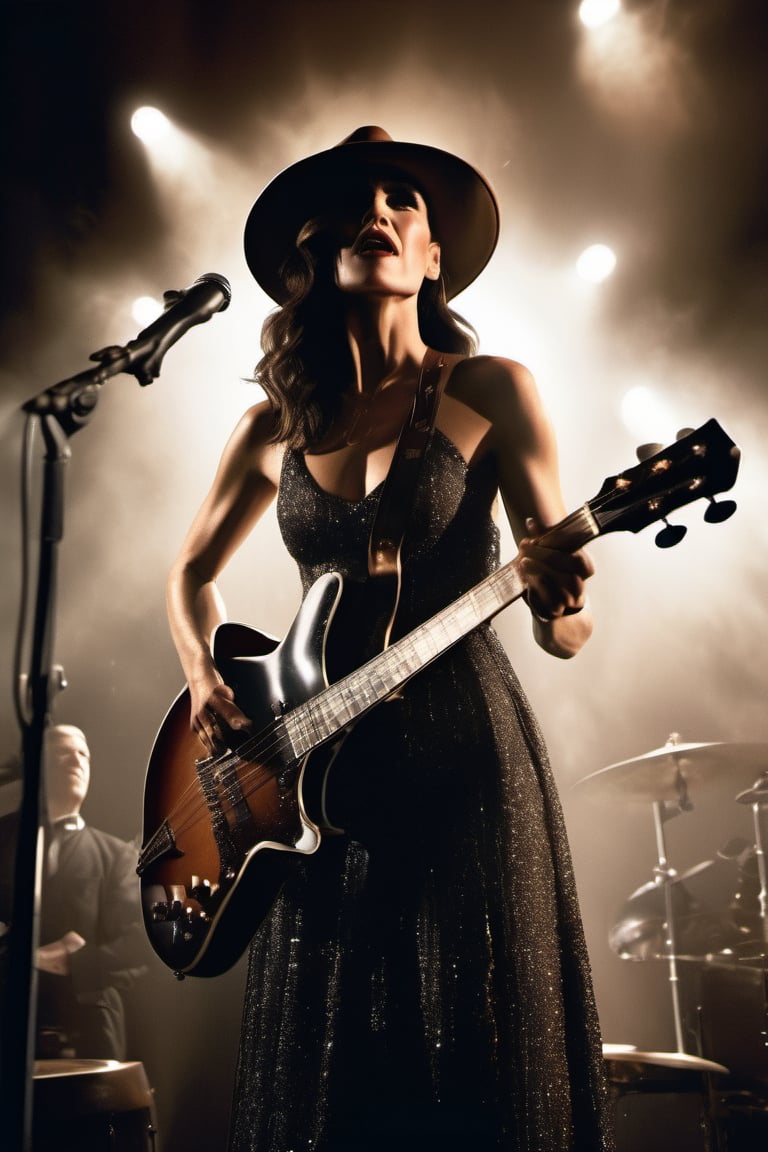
(257, 424)
(497, 388)
(252, 447)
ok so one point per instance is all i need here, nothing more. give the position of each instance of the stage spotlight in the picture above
(596, 263)
(150, 124)
(145, 309)
(594, 13)
(646, 416)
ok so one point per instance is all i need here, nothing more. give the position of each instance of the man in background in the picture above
(92, 943)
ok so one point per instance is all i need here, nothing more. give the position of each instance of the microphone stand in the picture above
(62, 410)
(19, 1016)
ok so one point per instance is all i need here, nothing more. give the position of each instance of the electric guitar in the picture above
(221, 831)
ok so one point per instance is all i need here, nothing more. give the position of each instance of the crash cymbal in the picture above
(669, 772)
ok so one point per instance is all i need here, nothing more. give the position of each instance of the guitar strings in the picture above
(260, 755)
(258, 752)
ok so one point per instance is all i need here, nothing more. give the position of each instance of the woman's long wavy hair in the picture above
(307, 364)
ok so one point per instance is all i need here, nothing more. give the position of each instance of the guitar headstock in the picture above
(700, 464)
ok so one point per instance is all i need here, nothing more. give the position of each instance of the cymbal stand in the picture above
(665, 875)
(757, 813)
(757, 798)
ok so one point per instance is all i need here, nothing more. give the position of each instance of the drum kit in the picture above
(661, 921)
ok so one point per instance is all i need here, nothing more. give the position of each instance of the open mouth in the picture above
(375, 243)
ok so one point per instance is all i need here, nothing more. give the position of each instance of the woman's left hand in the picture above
(555, 580)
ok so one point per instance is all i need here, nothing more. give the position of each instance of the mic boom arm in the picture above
(71, 401)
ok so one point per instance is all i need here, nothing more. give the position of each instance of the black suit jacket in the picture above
(94, 892)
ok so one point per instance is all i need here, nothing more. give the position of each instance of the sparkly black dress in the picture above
(422, 982)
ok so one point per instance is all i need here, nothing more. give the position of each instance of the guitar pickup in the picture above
(162, 843)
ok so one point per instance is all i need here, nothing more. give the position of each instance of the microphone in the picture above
(210, 293)
(72, 401)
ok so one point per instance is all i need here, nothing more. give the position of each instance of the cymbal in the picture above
(676, 878)
(665, 773)
(748, 953)
(757, 794)
(663, 1059)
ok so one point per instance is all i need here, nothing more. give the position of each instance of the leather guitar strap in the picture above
(397, 495)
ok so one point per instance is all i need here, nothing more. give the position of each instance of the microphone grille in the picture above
(221, 282)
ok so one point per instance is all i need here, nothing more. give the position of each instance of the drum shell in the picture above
(94, 1106)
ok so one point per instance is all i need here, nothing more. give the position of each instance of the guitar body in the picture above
(221, 834)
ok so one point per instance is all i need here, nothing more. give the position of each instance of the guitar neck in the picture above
(317, 720)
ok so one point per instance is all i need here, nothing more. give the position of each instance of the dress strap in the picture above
(397, 494)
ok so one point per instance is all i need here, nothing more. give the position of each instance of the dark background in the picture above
(648, 135)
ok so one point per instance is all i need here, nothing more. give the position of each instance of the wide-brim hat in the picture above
(463, 211)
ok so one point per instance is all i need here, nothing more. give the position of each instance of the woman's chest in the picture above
(323, 530)
(360, 453)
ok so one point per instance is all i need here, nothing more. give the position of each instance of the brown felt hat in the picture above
(463, 211)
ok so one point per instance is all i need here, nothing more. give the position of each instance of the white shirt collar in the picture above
(72, 823)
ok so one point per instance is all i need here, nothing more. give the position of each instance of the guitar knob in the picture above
(159, 911)
(716, 512)
(164, 910)
(670, 535)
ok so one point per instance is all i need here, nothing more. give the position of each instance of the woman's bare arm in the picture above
(244, 486)
(522, 439)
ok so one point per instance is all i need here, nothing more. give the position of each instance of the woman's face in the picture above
(388, 248)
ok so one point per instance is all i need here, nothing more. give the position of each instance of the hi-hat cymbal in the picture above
(674, 878)
(681, 1060)
(757, 794)
(666, 773)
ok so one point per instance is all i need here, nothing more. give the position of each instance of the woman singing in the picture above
(422, 981)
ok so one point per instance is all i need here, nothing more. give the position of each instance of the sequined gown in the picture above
(422, 982)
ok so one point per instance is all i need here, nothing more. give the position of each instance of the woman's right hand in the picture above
(213, 712)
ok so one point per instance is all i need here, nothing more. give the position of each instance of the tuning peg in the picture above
(684, 432)
(716, 512)
(647, 450)
(670, 535)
